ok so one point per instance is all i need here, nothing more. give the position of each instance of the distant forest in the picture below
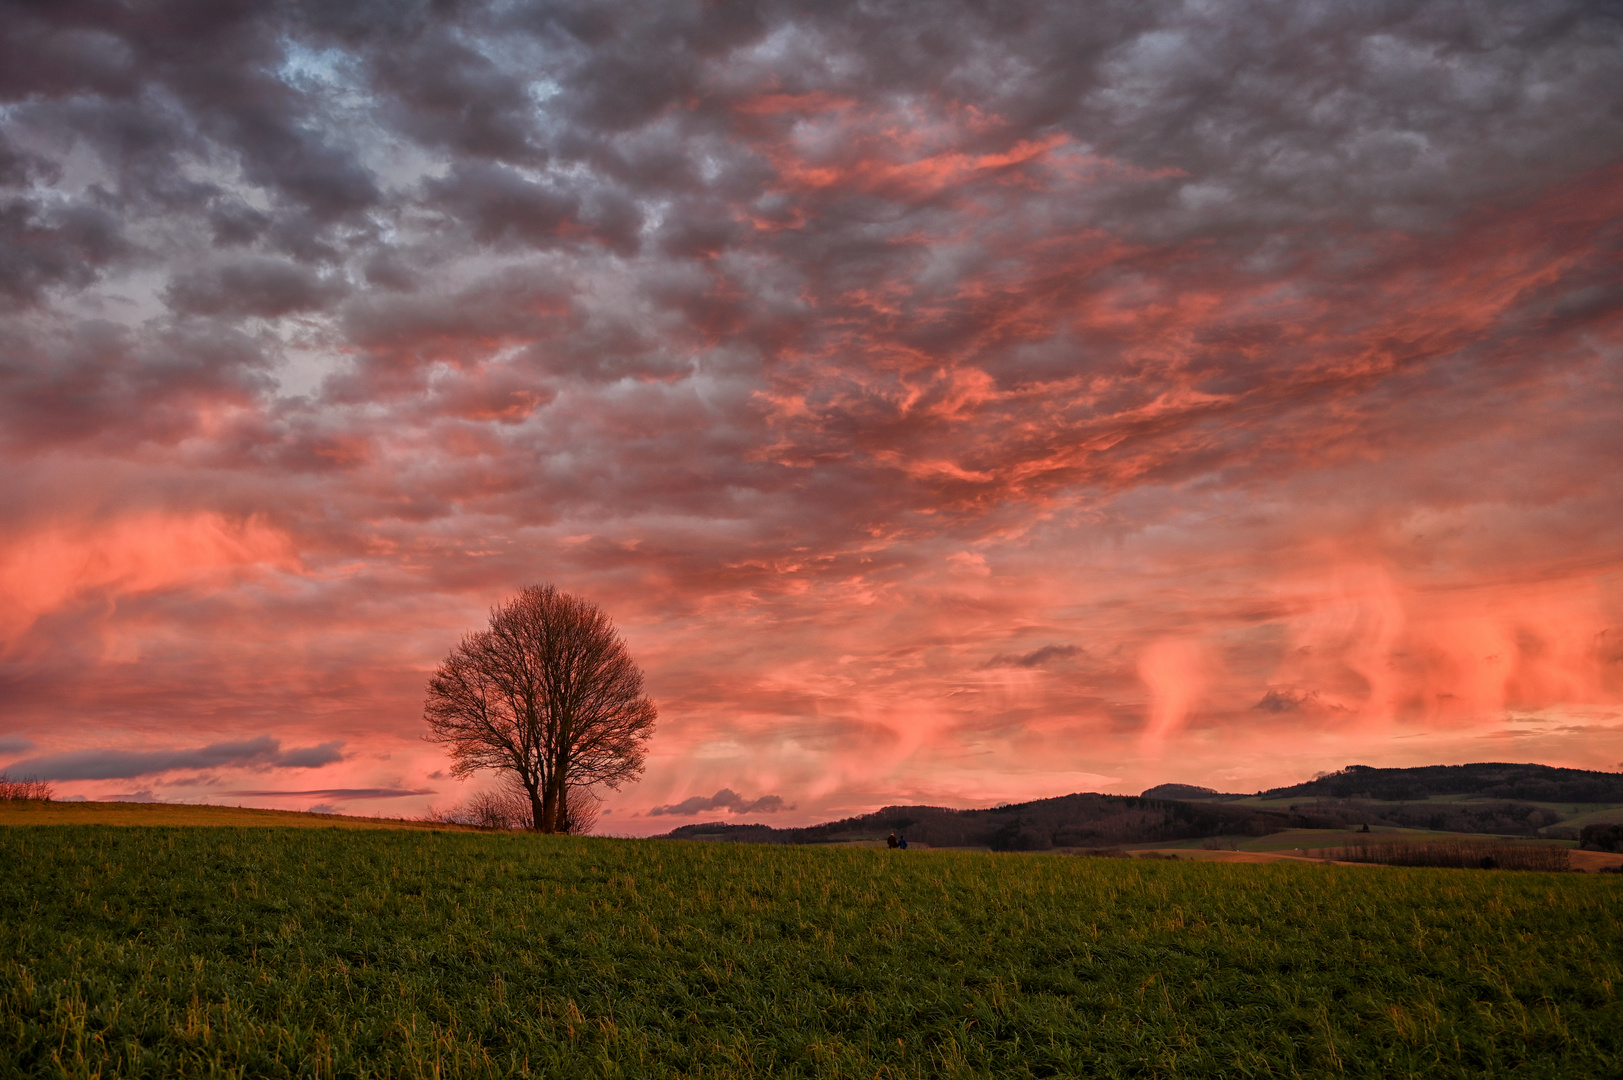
(1488, 780)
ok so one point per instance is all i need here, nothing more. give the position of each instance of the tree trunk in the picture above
(558, 795)
(546, 819)
(560, 809)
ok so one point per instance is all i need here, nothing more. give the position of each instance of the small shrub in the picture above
(507, 806)
(28, 789)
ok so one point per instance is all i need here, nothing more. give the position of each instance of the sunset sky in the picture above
(951, 403)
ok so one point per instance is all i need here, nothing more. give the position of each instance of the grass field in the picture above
(326, 952)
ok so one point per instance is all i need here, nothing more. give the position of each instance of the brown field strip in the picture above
(118, 813)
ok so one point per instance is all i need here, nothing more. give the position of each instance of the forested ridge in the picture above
(1492, 780)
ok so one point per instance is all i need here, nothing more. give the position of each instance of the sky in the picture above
(950, 402)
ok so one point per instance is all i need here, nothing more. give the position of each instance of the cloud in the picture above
(268, 288)
(1034, 659)
(263, 752)
(340, 793)
(725, 799)
(1288, 700)
(59, 564)
(63, 246)
(15, 744)
(311, 757)
(823, 345)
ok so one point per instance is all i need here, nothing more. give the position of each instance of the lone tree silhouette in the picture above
(550, 697)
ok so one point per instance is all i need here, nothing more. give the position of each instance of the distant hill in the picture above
(1503, 800)
(1487, 780)
(1487, 797)
(1186, 792)
(1084, 820)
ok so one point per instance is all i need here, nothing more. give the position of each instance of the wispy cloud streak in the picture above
(264, 752)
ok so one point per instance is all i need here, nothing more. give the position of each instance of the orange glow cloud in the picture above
(1173, 670)
(44, 569)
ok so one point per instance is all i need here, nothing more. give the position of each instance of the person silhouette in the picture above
(891, 841)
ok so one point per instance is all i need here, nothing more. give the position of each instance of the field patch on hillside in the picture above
(279, 952)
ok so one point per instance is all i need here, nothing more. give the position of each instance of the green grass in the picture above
(279, 952)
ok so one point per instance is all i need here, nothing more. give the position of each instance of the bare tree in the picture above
(550, 696)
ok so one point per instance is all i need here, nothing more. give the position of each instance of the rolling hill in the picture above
(1485, 780)
(1083, 820)
(1488, 798)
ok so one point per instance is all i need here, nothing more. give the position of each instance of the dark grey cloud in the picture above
(99, 381)
(396, 151)
(500, 205)
(1288, 700)
(44, 247)
(726, 799)
(264, 752)
(1035, 658)
(446, 93)
(264, 287)
(311, 757)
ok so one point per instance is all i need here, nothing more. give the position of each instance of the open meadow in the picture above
(186, 951)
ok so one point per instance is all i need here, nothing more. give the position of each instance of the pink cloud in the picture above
(55, 565)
